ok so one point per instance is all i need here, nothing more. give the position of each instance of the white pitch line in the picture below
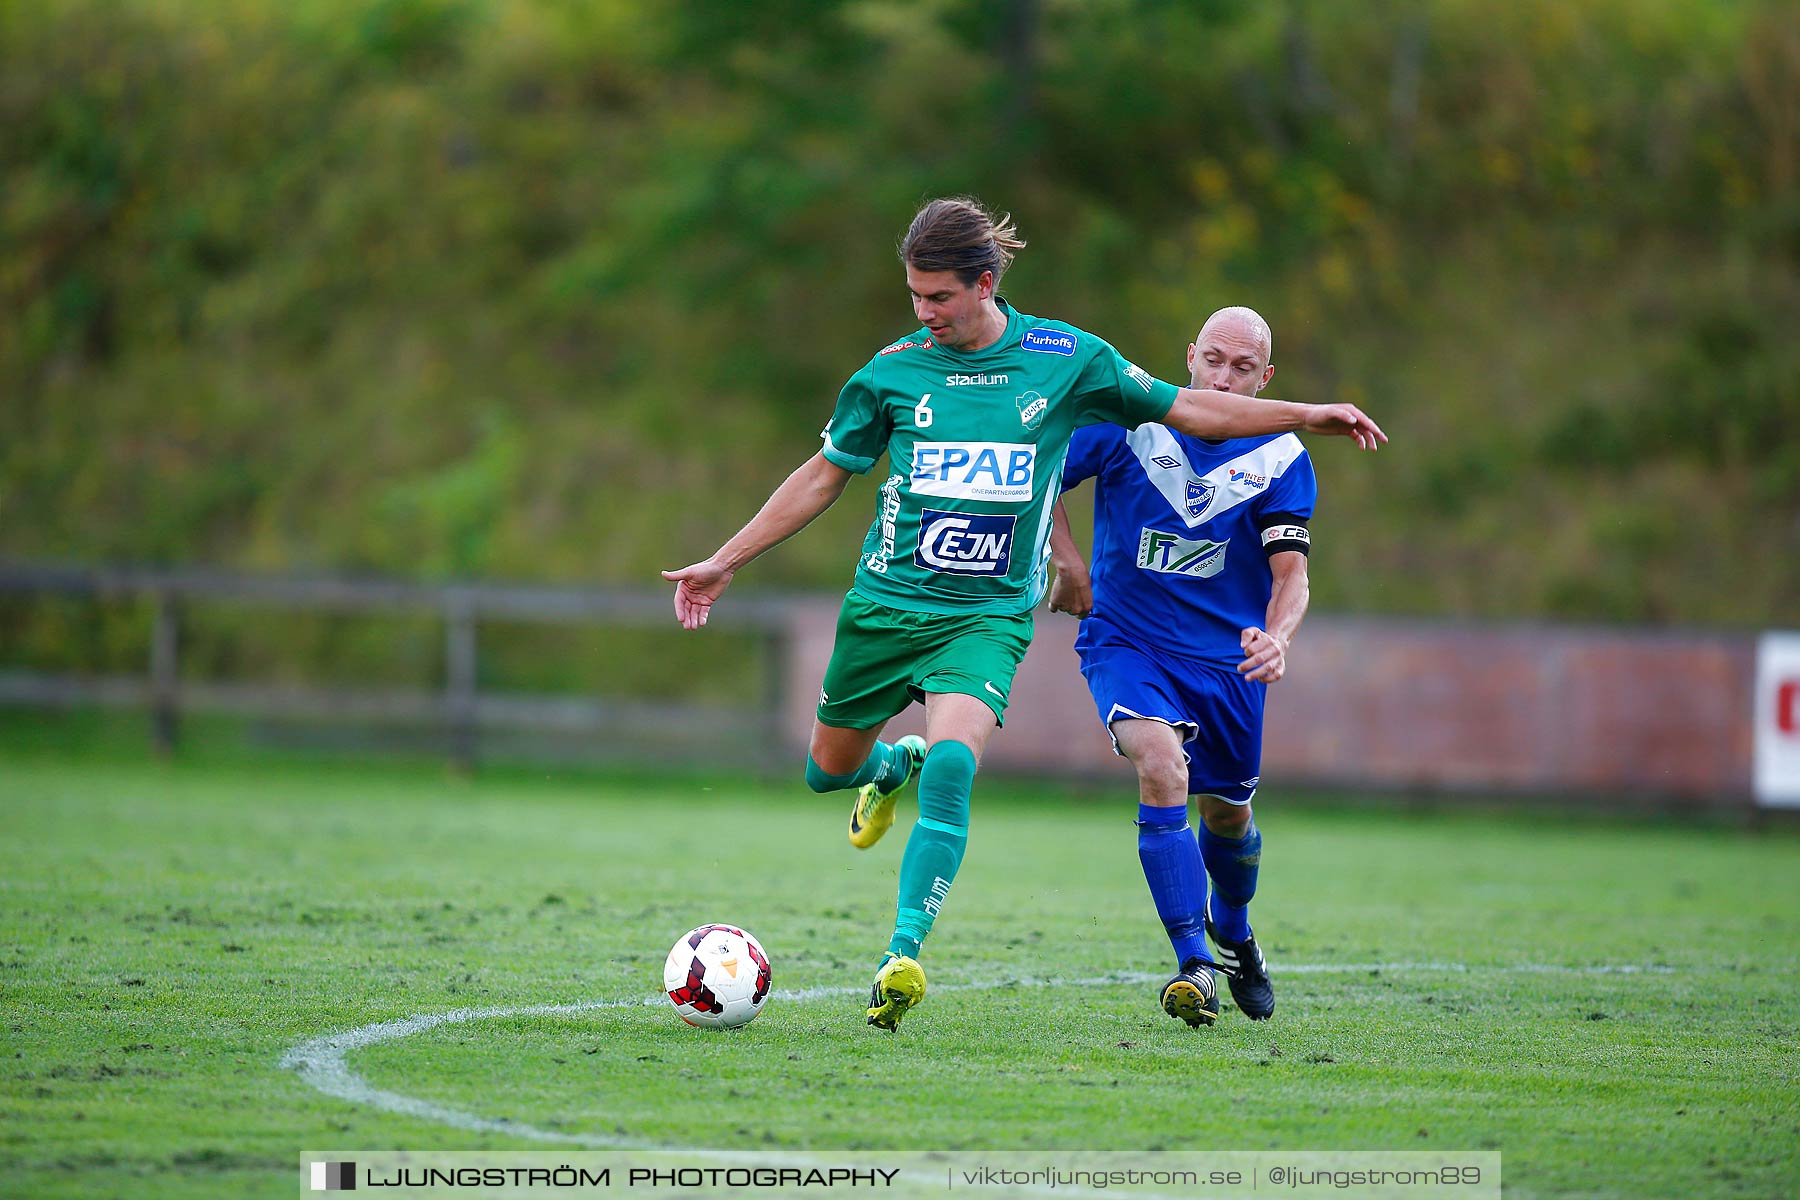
(323, 1063)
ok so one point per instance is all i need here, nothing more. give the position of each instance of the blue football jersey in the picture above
(1180, 529)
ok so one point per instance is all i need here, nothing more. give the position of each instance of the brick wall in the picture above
(1408, 706)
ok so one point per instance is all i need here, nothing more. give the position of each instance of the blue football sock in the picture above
(1232, 863)
(1177, 880)
(881, 766)
(934, 849)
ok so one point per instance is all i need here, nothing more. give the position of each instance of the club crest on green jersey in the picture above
(1032, 408)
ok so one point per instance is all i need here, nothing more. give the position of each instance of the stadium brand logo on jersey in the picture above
(1166, 463)
(897, 347)
(974, 380)
(1001, 471)
(1171, 554)
(1255, 483)
(1198, 497)
(964, 543)
(1032, 408)
(1049, 341)
(1141, 376)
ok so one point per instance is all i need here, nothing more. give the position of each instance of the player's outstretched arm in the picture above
(1073, 590)
(809, 491)
(1210, 414)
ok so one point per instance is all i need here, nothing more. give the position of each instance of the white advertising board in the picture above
(1778, 720)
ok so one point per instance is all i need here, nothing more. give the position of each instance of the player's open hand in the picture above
(1345, 420)
(1265, 655)
(696, 588)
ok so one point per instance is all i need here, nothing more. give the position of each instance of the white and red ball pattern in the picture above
(717, 977)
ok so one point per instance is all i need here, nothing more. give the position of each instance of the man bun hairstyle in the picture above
(958, 233)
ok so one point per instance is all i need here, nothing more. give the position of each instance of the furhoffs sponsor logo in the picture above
(1049, 341)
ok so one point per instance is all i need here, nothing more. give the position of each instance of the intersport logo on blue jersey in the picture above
(964, 543)
(1049, 341)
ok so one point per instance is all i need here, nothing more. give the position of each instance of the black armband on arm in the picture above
(1283, 531)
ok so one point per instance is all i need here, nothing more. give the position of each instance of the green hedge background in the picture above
(559, 291)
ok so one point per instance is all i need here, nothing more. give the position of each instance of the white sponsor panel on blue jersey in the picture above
(1172, 554)
(997, 471)
(1200, 498)
(964, 543)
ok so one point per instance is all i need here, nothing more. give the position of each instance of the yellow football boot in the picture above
(899, 986)
(874, 811)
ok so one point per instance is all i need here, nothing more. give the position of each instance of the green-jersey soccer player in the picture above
(974, 411)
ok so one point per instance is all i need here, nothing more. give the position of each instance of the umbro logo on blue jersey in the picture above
(1049, 341)
(1165, 462)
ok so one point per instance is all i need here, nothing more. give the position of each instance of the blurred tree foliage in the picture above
(560, 290)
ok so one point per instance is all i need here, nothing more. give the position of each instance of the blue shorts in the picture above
(1217, 712)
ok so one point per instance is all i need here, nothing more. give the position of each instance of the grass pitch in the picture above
(1613, 1006)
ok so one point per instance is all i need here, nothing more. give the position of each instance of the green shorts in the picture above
(886, 658)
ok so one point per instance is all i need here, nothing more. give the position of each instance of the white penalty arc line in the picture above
(323, 1062)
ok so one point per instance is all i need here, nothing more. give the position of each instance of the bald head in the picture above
(1232, 352)
(1247, 323)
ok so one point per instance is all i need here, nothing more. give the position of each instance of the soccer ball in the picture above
(717, 977)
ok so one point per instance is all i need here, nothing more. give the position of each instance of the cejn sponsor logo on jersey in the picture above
(1049, 341)
(975, 380)
(964, 543)
(1171, 554)
(999, 471)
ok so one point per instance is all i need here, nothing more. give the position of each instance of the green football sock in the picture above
(875, 769)
(935, 849)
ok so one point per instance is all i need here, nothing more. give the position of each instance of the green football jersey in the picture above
(975, 445)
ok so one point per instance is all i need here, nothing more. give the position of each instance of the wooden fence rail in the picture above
(460, 708)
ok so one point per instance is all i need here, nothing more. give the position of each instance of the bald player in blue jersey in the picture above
(1197, 586)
